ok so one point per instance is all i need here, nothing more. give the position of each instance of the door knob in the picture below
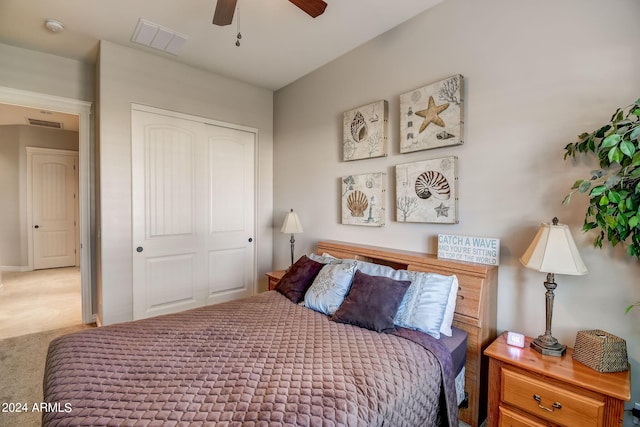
(36, 226)
(139, 249)
(250, 239)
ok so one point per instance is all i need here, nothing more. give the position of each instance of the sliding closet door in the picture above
(189, 249)
(230, 223)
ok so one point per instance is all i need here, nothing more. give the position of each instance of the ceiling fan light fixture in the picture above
(53, 25)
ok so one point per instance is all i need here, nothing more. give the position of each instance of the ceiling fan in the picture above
(225, 9)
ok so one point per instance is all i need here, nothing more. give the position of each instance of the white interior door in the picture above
(231, 213)
(54, 186)
(193, 213)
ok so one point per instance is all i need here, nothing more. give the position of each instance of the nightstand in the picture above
(274, 278)
(529, 389)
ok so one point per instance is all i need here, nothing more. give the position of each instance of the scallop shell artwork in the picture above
(432, 183)
(357, 203)
(358, 127)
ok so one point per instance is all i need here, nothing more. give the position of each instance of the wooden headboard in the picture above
(475, 309)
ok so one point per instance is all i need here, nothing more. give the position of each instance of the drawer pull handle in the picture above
(556, 405)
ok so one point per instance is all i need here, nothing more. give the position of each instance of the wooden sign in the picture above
(481, 250)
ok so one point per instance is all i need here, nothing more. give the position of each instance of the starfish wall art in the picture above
(432, 116)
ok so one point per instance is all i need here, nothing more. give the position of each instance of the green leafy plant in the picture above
(614, 189)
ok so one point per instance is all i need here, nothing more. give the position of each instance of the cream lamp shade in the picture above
(554, 251)
(292, 226)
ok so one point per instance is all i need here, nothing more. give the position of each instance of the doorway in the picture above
(82, 109)
(52, 211)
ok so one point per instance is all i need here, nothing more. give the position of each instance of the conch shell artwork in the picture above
(427, 191)
(432, 183)
(358, 127)
(364, 132)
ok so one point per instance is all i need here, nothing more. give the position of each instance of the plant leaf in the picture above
(597, 191)
(611, 140)
(627, 148)
(584, 186)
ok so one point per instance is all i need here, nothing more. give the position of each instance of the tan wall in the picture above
(537, 74)
(128, 76)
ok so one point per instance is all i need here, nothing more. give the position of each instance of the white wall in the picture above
(128, 76)
(44, 73)
(537, 74)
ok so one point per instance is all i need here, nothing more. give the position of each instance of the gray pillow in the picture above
(372, 302)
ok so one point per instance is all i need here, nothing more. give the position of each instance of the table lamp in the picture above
(552, 251)
(291, 226)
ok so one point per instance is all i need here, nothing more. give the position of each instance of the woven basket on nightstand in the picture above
(601, 351)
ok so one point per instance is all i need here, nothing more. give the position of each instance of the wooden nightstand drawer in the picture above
(509, 418)
(550, 401)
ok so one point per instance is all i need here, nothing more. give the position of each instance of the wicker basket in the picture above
(601, 351)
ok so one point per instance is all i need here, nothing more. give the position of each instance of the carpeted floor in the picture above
(22, 362)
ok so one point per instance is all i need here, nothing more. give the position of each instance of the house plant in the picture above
(614, 189)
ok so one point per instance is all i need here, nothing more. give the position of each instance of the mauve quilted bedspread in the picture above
(261, 361)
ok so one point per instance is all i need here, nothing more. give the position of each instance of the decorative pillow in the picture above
(328, 289)
(424, 305)
(325, 258)
(298, 278)
(382, 270)
(372, 302)
(447, 320)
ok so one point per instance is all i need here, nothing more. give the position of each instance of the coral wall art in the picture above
(365, 131)
(432, 116)
(427, 191)
(363, 199)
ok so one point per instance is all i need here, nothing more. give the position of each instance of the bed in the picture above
(268, 361)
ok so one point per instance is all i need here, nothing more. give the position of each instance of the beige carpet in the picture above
(22, 362)
(39, 300)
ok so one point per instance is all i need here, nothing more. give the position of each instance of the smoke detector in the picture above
(53, 25)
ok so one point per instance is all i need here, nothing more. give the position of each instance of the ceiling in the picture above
(16, 115)
(280, 43)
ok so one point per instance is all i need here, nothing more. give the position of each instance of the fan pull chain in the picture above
(239, 36)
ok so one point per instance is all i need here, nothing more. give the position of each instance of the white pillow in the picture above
(329, 288)
(324, 258)
(449, 311)
(425, 302)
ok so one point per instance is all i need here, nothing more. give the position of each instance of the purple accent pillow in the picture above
(298, 278)
(372, 302)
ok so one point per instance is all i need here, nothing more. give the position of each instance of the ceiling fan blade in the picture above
(224, 12)
(314, 8)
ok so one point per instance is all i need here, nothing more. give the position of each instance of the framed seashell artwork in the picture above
(363, 199)
(365, 131)
(427, 191)
(432, 116)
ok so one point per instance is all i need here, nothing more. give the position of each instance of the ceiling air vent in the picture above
(45, 123)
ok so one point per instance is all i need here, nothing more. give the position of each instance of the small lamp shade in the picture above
(291, 224)
(554, 251)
